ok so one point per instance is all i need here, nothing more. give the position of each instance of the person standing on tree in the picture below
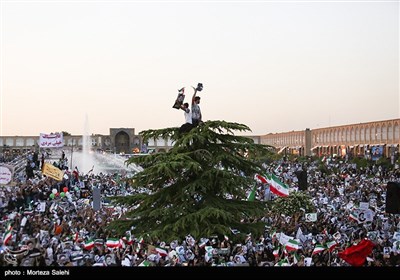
(196, 112)
(187, 126)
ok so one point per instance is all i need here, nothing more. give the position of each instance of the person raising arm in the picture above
(196, 111)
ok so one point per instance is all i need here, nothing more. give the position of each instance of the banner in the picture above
(52, 172)
(376, 152)
(6, 174)
(53, 140)
(311, 217)
(361, 215)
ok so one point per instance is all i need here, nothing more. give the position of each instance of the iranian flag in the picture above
(88, 245)
(161, 251)
(331, 245)
(75, 236)
(261, 178)
(318, 249)
(276, 251)
(112, 243)
(7, 235)
(128, 238)
(277, 187)
(354, 216)
(292, 245)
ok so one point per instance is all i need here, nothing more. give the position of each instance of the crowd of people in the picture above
(50, 223)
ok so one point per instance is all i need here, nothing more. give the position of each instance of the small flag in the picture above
(292, 245)
(128, 238)
(331, 245)
(276, 251)
(112, 243)
(261, 178)
(252, 194)
(318, 249)
(277, 187)
(7, 235)
(161, 251)
(88, 245)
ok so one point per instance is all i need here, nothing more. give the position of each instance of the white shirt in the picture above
(188, 116)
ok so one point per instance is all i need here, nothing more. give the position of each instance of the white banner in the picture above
(6, 174)
(362, 216)
(311, 217)
(283, 238)
(42, 207)
(364, 205)
(53, 140)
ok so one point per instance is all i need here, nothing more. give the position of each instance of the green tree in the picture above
(291, 204)
(199, 186)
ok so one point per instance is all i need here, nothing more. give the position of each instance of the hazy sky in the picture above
(270, 65)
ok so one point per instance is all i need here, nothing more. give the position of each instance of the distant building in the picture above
(355, 139)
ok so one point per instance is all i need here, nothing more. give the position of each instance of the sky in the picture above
(274, 66)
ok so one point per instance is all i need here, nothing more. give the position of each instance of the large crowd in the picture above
(50, 223)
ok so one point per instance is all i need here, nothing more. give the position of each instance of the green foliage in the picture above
(384, 162)
(189, 185)
(271, 157)
(291, 204)
(361, 162)
(322, 167)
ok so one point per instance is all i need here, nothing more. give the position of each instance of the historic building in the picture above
(361, 139)
(356, 139)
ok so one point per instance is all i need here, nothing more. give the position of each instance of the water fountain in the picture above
(86, 159)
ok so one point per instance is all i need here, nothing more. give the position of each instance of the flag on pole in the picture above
(276, 251)
(128, 238)
(112, 243)
(292, 245)
(261, 178)
(318, 249)
(162, 251)
(277, 187)
(88, 245)
(8, 234)
(331, 245)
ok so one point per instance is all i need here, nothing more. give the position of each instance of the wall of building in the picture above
(352, 138)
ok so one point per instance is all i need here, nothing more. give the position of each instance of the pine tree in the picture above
(198, 187)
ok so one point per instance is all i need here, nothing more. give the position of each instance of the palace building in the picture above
(360, 139)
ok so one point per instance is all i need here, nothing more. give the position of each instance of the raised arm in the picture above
(184, 108)
(194, 95)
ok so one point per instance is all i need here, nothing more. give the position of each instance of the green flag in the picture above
(252, 194)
